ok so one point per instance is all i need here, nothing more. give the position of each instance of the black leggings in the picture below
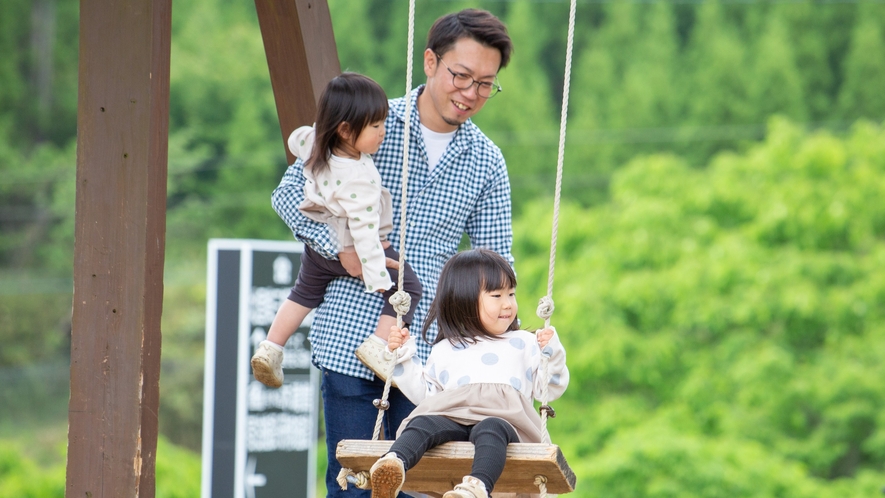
(490, 438)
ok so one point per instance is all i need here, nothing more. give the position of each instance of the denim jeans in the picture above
(349, 414)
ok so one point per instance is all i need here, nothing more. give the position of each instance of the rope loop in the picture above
(358, 479)
(541, 483)
(401, 301)
(342, 478)
(545, 308)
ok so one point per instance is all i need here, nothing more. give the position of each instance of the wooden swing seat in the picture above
(444, 466)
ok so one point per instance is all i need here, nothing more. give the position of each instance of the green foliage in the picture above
(21, 477)
(691, 80)
(184, 330)
(226, 151)
(656, 461)
(725, 333)
(522, 138)
(177, 473)
(776, 86)
(38, 72)
(33, 182)
(33, 334)
(865, 62)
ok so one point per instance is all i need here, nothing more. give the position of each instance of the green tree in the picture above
(597, 74)
(626, 96)
(716, 84)
(38, 94)
(528, 143)
(729, 321)
(865, 63)
(811, 30)
(776, 86)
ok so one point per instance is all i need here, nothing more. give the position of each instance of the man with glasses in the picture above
(457, 184)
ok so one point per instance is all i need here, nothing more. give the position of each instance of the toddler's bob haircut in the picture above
(456, 305)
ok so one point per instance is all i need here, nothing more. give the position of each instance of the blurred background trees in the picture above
(718, 282)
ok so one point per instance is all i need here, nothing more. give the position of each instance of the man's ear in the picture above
(429, 62)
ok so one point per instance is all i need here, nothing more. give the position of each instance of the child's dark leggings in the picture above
(317, 272)
(490, 438)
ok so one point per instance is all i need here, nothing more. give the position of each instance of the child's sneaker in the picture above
(374, 355)
(388, 475)
(470, 487)
(267, 365)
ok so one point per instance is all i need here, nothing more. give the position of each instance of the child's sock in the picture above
(378, 339)
(273, 345)
(385, 323)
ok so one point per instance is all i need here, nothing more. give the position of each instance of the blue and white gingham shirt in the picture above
(467, 192)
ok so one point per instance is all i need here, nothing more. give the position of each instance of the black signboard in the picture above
(258, 442)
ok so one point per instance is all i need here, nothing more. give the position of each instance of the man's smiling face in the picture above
(442, 106)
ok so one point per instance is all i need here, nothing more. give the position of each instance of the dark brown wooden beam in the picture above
(122, 137)
(301, 56)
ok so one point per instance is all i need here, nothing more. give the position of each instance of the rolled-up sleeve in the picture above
(285, 201)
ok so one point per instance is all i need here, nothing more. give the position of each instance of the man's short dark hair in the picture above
(477, 24)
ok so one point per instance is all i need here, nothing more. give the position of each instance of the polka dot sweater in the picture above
(349, 198)
(456, 375)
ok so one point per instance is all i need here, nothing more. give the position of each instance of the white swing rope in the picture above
(400, 300)
(545, 306)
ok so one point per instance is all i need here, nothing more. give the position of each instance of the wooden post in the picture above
(122, 138)
(301, 56)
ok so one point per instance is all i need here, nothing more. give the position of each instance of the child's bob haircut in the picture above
(456, 305)
(350, 98)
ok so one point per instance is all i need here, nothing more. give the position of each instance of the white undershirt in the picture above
(436, 144)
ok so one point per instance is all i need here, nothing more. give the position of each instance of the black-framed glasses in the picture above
(461, 81)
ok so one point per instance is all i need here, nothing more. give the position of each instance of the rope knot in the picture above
(541, 483)
(401, 302)
(545, 308)
(548, 410)
(342, 478)
(358, 479)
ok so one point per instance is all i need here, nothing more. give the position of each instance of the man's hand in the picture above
(397, 337)
(350, 260)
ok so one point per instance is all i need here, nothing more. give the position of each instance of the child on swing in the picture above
(480, 378)
(342, 189)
